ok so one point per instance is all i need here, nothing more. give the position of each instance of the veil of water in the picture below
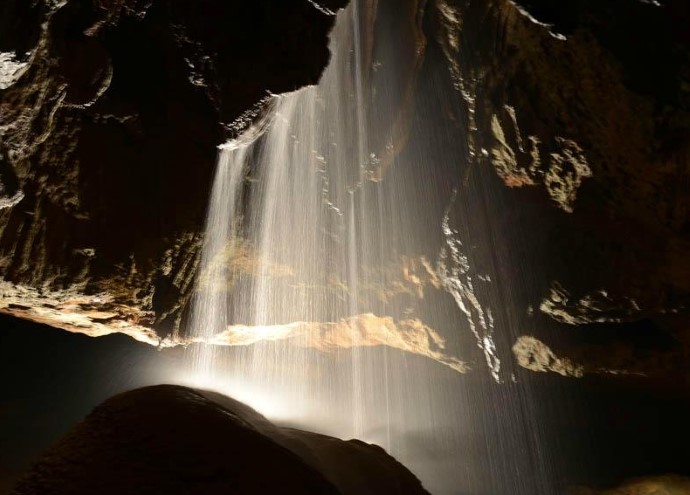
(328, 233)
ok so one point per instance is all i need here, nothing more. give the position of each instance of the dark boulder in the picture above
(175, 440)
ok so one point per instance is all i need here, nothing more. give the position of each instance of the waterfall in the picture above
(210, 305)
(323, 245)
(286, 256)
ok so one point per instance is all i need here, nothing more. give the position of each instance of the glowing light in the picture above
(269, 404)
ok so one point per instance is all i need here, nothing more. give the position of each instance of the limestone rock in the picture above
(576, 118)
(110, 114)
(581, 110)
(653, 485)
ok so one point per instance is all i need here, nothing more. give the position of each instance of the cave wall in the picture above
(576, 118)
(110, 114)
(589, 103)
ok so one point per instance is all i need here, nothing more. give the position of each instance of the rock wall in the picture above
(582, 110)
(576, 119)
(110, 114)
(169, 439)
(590, 104)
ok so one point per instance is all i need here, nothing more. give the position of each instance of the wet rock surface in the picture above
(170, 439)
(578, 117)
(659, 485)
(110, 113)
(572, 159)
(573, 122)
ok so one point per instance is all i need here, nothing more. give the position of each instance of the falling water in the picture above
(325, 244)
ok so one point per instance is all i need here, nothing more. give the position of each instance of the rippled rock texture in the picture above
(110, 114)
(656, 485)
(575, 117)
(582, 110)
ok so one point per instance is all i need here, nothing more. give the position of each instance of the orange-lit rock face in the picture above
(658, 485)
(97, 316)
(521, 164)
(365, 330)
(534, 355)
(94, 316)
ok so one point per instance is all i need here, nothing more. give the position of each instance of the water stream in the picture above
(334, 283)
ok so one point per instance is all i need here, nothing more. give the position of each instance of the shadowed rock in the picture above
(171, 439)
(110, 114)
(653, 485)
